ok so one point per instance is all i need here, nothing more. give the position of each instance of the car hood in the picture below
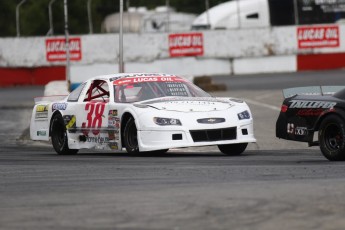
(180, 104)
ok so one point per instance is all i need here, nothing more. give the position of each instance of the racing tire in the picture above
(130, 135)
(332, 138)
(59, 137)
(233, 149)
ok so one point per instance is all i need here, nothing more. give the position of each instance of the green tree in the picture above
(34, 19)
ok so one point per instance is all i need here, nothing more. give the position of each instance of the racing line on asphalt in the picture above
(272, 107)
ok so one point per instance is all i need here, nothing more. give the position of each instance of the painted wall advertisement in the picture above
(186, 44)
(310, 37)
(56, 49)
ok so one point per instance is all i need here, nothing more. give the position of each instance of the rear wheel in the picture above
(331, 138)
(59, 136)
(233, 149)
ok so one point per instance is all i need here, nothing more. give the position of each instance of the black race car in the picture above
(315, 115)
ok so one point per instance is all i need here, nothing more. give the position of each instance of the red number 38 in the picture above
(94, 117)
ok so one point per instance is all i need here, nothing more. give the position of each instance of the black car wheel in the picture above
(233, 149)
(331, 138)
(130, 136)
(59, 136)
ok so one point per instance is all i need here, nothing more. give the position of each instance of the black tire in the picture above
(130, 135)
(233, 149)
(59, 136)
(331, 138)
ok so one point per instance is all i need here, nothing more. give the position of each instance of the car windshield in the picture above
(134, 89)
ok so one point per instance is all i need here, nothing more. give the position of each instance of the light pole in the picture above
(167, 5)
(51, 29)
(68, 79)
(296, 12)
(207, 6)
(89, 2)
(17, 17)
(121, 66)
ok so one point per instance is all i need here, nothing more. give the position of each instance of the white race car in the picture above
(141, 112)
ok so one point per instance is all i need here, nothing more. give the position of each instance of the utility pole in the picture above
(51, 29)
(296, 12)
(207, 6)
(167, 6)
(68, 79)
(89, 2)
(121, 65)
(18, 18)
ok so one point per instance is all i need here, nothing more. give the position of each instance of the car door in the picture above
(92, 115)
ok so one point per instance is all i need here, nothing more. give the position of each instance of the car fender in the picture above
(40, 121)
(338, 111)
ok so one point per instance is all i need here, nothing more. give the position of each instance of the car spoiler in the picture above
(311, 90)
(49, 98)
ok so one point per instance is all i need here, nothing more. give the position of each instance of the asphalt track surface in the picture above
(275, 184)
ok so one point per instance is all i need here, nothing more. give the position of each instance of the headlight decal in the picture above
(243, 115)
(166, 121)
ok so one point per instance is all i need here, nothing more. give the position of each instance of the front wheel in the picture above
(233, 149)
(130, 135)
(331, 138)
(59, 137)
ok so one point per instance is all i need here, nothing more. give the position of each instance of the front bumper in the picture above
(178, 138)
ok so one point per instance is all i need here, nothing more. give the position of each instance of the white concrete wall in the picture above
(225, 52)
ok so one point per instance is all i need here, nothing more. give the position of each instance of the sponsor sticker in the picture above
(41, 115)
(114, 134)
(112, 113)
(41, 112)
(186, 44)
(56, 49)
(309, 112)
(99, 140)
(298, 104)
(41, 133)
(318, 37)
(133, 80)
(113, 145)
(70, 121)
(41, 108)
(59, 106)
(301, 131)
(290, 128)
(176, 89)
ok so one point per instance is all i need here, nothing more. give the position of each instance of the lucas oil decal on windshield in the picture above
(133, 80)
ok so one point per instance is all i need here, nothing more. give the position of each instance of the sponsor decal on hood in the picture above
(189, 104)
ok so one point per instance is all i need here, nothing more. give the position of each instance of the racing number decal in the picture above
(94, 117)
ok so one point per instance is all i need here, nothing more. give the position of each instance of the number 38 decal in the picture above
(94, 117)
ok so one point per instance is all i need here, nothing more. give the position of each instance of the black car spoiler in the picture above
(311, 90)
